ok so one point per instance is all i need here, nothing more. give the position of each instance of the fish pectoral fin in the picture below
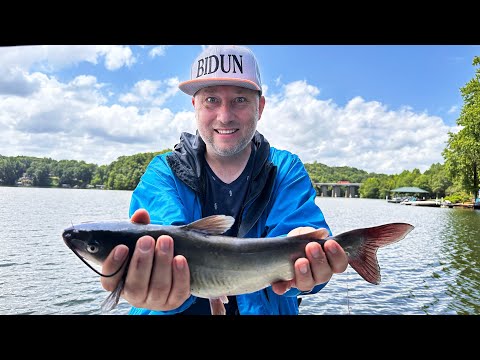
(217, 306)
(211, 225)
(112, 300)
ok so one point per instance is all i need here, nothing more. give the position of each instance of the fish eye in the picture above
(92, 248)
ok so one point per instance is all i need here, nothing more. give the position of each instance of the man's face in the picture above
(227, 117)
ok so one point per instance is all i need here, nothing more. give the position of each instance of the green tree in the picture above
(438, 180)
(423, 182)
(100, 175)
(125, 172)
(7, 172)
(462, 154)
(39, 172)
(370, 188)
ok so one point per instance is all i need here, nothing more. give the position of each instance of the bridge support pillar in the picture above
(324, 191)
(350, 192)
(336, 191)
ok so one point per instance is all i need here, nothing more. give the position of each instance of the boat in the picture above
(430, 203)
(395, 200)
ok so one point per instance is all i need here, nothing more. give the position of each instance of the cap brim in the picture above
(190, 87)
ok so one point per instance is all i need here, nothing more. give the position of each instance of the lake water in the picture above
(434, 270)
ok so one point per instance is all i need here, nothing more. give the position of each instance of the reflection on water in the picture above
(460, 256)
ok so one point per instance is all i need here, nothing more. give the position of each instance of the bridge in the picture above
(347, 188)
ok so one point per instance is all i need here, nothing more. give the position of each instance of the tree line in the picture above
(435, 180)
(125, 172)
(122, 174)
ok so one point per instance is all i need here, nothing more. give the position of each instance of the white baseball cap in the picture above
(223, 65)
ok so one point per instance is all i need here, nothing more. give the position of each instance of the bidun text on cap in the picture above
(223, 65)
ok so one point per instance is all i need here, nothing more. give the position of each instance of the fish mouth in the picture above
(74, 244)
(68, 239)
(67, 235)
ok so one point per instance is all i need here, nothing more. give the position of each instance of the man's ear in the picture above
(261, 105)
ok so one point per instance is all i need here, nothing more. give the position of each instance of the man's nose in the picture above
(225, 113)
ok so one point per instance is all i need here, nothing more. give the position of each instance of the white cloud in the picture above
(158, 51)
(278, 81)
(73, 121)
(142, 91)
(118, 56)
(453, 109)
(151, 93)
(365, 135)
(49, 58)
(16, 81)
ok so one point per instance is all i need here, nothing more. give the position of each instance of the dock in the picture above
(429, 203)
(437, 203)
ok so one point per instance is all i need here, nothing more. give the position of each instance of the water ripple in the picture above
(8, 264)
(434, 270)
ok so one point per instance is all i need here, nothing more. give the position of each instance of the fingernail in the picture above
(164, 245)
(144, 244)
(120, 253)
(315, 252)
(303, 268)
(333, 249)
(179, 264)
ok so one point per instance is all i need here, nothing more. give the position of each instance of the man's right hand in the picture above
(156, 280)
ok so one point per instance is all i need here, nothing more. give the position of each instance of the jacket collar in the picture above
(187, 161)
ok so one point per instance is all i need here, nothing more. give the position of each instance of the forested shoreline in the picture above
(125, 172)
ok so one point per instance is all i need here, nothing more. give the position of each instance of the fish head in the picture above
(85, 245)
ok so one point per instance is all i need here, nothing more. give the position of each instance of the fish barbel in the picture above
(223, 265)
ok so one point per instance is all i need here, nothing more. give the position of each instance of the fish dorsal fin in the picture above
(212, 225)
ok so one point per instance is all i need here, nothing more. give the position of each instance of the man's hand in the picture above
(319, 265)
(155, 280)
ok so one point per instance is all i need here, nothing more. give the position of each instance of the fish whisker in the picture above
(95, 270)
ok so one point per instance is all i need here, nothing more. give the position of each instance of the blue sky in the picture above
(379, 108)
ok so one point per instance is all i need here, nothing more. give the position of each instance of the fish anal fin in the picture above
(212, 225)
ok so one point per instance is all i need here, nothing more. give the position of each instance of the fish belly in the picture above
(208, 282)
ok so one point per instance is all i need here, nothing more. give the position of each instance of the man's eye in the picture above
(240, 100)
(210, 99)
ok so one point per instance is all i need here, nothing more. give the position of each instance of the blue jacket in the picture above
(281, 197)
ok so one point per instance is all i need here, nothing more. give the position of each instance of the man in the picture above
(227, 168)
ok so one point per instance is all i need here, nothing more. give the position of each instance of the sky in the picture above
(378, 108)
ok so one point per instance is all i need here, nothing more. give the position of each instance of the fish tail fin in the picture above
(363, 256)
(112, 300)
(217, 306)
